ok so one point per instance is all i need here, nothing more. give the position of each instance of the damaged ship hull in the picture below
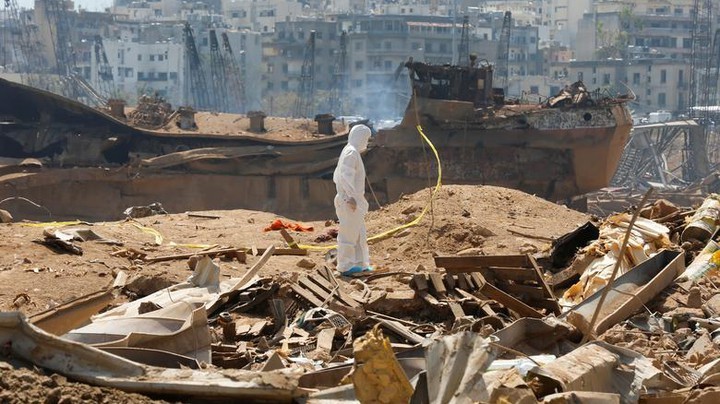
(94, 165)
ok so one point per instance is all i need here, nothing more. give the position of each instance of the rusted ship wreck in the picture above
(91, 164)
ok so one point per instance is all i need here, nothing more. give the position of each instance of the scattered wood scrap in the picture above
(515, 281)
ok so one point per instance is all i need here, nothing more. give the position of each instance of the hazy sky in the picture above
(91, 5)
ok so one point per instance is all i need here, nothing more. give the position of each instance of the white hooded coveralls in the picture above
(349, 178)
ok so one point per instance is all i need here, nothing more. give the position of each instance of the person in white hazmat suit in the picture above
(353, 255)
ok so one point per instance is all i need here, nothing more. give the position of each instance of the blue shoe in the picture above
(352, 271)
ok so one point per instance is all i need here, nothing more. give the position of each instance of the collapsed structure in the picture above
(566, 146)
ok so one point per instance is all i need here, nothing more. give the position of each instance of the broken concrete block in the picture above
(377, 375)
(305, 263)
(5, 216)
(702, 351)
(711, 308)
(694, 299)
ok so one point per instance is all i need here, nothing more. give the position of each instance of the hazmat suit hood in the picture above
(359, 137)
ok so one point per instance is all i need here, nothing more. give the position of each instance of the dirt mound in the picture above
(470, 220)
(25, 386)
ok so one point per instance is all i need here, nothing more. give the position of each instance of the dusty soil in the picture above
(474, 219)
(276, 128)
(26, 386)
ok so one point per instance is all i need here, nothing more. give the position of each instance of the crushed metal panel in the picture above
(179, 328)
(455, 368)
(91, 365)
(533, 336)
(72, 314)
(629, 292)
(601, 367)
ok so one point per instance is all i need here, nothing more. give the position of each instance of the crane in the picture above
(105, 80)
(503, 51)
(464, 48)
(306, 91)
(217, 74)
(198, 89)
(339, 85)
(234, 75)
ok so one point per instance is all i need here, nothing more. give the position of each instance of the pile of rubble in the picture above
(622, 309)
(151, 112)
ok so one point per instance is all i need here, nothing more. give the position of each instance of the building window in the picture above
(270, 68)
(152, 58)
(661, 100)
(663, 76)
(357, 83)
(388, 45)
(388, 65)
(358, 65)
(141, 76)
(270, 85)
(580, 76)
(636, 79)
(606, 78)
(139, 58)
(443, 47)
(285, 68)
(681, 79)
(534, 90)
(160, 58)
(173, 75)
(284, 85)
(415, 46)
(162, 76)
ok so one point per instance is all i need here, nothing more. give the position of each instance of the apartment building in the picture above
(657, 31)
(260, 15)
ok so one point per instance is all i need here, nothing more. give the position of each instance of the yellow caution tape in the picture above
(409, 224)
(151, 231)
(52, 224)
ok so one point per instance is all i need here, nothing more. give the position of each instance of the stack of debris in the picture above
(152, 112)
(554, 326)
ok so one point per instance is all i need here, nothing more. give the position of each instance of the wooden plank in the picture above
(469, 281)
(462, 282)
(401, 331)
(513, 274)
(317, 290)
(469, 262)
(285, 251)
(456, 310)
(510, 302)
(484, 305)
(438, 284)
(531, 292)
(254, 269)
(288, 239)
(449, 281)
(421, 283)
(541, 279)
(307, 295)
(331, 283)
(478, 280)
(339, 294)
(222, 251)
